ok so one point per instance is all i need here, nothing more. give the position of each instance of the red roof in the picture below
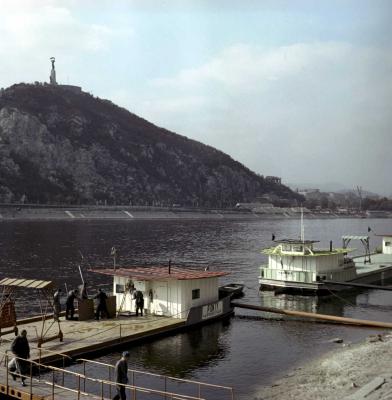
(159, 273)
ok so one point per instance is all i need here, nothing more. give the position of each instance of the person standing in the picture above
(70, 304)
(21, 349)
(121, 373)
(139, 302)
(101, 306)
(56, 305)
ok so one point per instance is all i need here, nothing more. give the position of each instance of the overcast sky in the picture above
(298, 89)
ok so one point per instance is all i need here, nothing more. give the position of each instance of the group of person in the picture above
(79, 295)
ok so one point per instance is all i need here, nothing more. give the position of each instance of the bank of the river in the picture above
(363, 371)
(28, 212)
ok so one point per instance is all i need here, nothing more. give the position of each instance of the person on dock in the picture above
(121, 373)
(56, 305)
(101, 306)
(21, 350)
(138, 296)
(70, 304)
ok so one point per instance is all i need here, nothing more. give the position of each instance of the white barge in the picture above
(169, 291)
(297, 266)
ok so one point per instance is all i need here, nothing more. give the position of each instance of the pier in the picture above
(81, 338)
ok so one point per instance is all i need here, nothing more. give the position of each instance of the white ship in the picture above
(295, 265)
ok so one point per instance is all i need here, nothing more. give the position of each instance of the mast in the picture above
(302, 225)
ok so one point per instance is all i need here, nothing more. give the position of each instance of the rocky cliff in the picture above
(60, 146)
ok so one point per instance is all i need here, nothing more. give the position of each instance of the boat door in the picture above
(161, 299)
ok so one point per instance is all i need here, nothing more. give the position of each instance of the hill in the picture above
(59, 145)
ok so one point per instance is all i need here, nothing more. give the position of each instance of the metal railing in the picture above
(77, 382)
(166, 379)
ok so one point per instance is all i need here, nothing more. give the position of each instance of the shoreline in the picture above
(29, 212)
(339, 374)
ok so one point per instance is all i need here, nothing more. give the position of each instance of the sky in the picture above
(297, 89)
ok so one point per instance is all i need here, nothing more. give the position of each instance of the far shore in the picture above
(40, 212)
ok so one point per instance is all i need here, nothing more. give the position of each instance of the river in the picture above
(249, 350)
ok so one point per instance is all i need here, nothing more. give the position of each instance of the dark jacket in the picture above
(20, 347)
(101, 297)
(121, 371)
(70, 299)
(139, 297)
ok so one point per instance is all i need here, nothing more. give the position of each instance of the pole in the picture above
(81, 274)
(324, 317)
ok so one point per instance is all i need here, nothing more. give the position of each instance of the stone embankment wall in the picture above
(47, 212)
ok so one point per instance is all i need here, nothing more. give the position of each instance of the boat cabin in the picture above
(295, 260)
(295, 247)
(386, 243)
(167, 290)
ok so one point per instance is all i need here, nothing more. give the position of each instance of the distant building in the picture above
(274, 179)
(309, 192)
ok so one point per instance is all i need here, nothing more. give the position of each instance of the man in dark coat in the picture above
(139, 302)
(21, 349)
(121, 373)
(101, 306)
(69, 305)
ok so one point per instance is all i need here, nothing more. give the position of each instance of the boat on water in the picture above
(234, 290)
(297, 266)
(176, 292)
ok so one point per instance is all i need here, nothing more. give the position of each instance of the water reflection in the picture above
(181, 354)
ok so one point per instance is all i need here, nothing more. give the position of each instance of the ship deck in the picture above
(381, 264)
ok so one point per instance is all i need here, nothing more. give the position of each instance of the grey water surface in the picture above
(249, 350)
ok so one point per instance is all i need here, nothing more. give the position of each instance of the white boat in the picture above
(295, 265)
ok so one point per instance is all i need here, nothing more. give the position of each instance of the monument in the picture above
(53, 72)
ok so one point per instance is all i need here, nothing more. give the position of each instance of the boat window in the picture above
(120, 288)
(387, 243)
(286, 247)
(195, 294)
(298, 249)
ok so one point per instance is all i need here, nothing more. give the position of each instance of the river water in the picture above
(251, 349)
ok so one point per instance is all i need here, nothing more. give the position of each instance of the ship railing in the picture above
(106, 387)
(166, 380)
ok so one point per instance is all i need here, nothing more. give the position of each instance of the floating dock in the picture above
(81, 338)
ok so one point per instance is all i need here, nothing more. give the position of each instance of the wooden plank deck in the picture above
(80, 339)
(84, 337)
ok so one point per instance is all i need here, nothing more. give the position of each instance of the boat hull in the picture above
(373, 277)
(210, 312)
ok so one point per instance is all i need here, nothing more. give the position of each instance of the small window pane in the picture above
(195, 294)
(120, 288)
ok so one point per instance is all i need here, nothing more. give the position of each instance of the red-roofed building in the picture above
(167, 290)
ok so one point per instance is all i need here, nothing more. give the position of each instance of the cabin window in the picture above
(120, 288)
(387, 243)
(286, 247)
(195, 294)
(298, 249)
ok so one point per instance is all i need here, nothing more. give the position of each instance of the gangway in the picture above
(49, 383)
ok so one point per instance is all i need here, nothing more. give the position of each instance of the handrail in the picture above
(80, 377)
(84, 360)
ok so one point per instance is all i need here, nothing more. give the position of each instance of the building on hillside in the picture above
(273, 179)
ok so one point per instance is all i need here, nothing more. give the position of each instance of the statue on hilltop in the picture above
(53, 72)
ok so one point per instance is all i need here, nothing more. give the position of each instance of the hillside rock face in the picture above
(58, 146)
